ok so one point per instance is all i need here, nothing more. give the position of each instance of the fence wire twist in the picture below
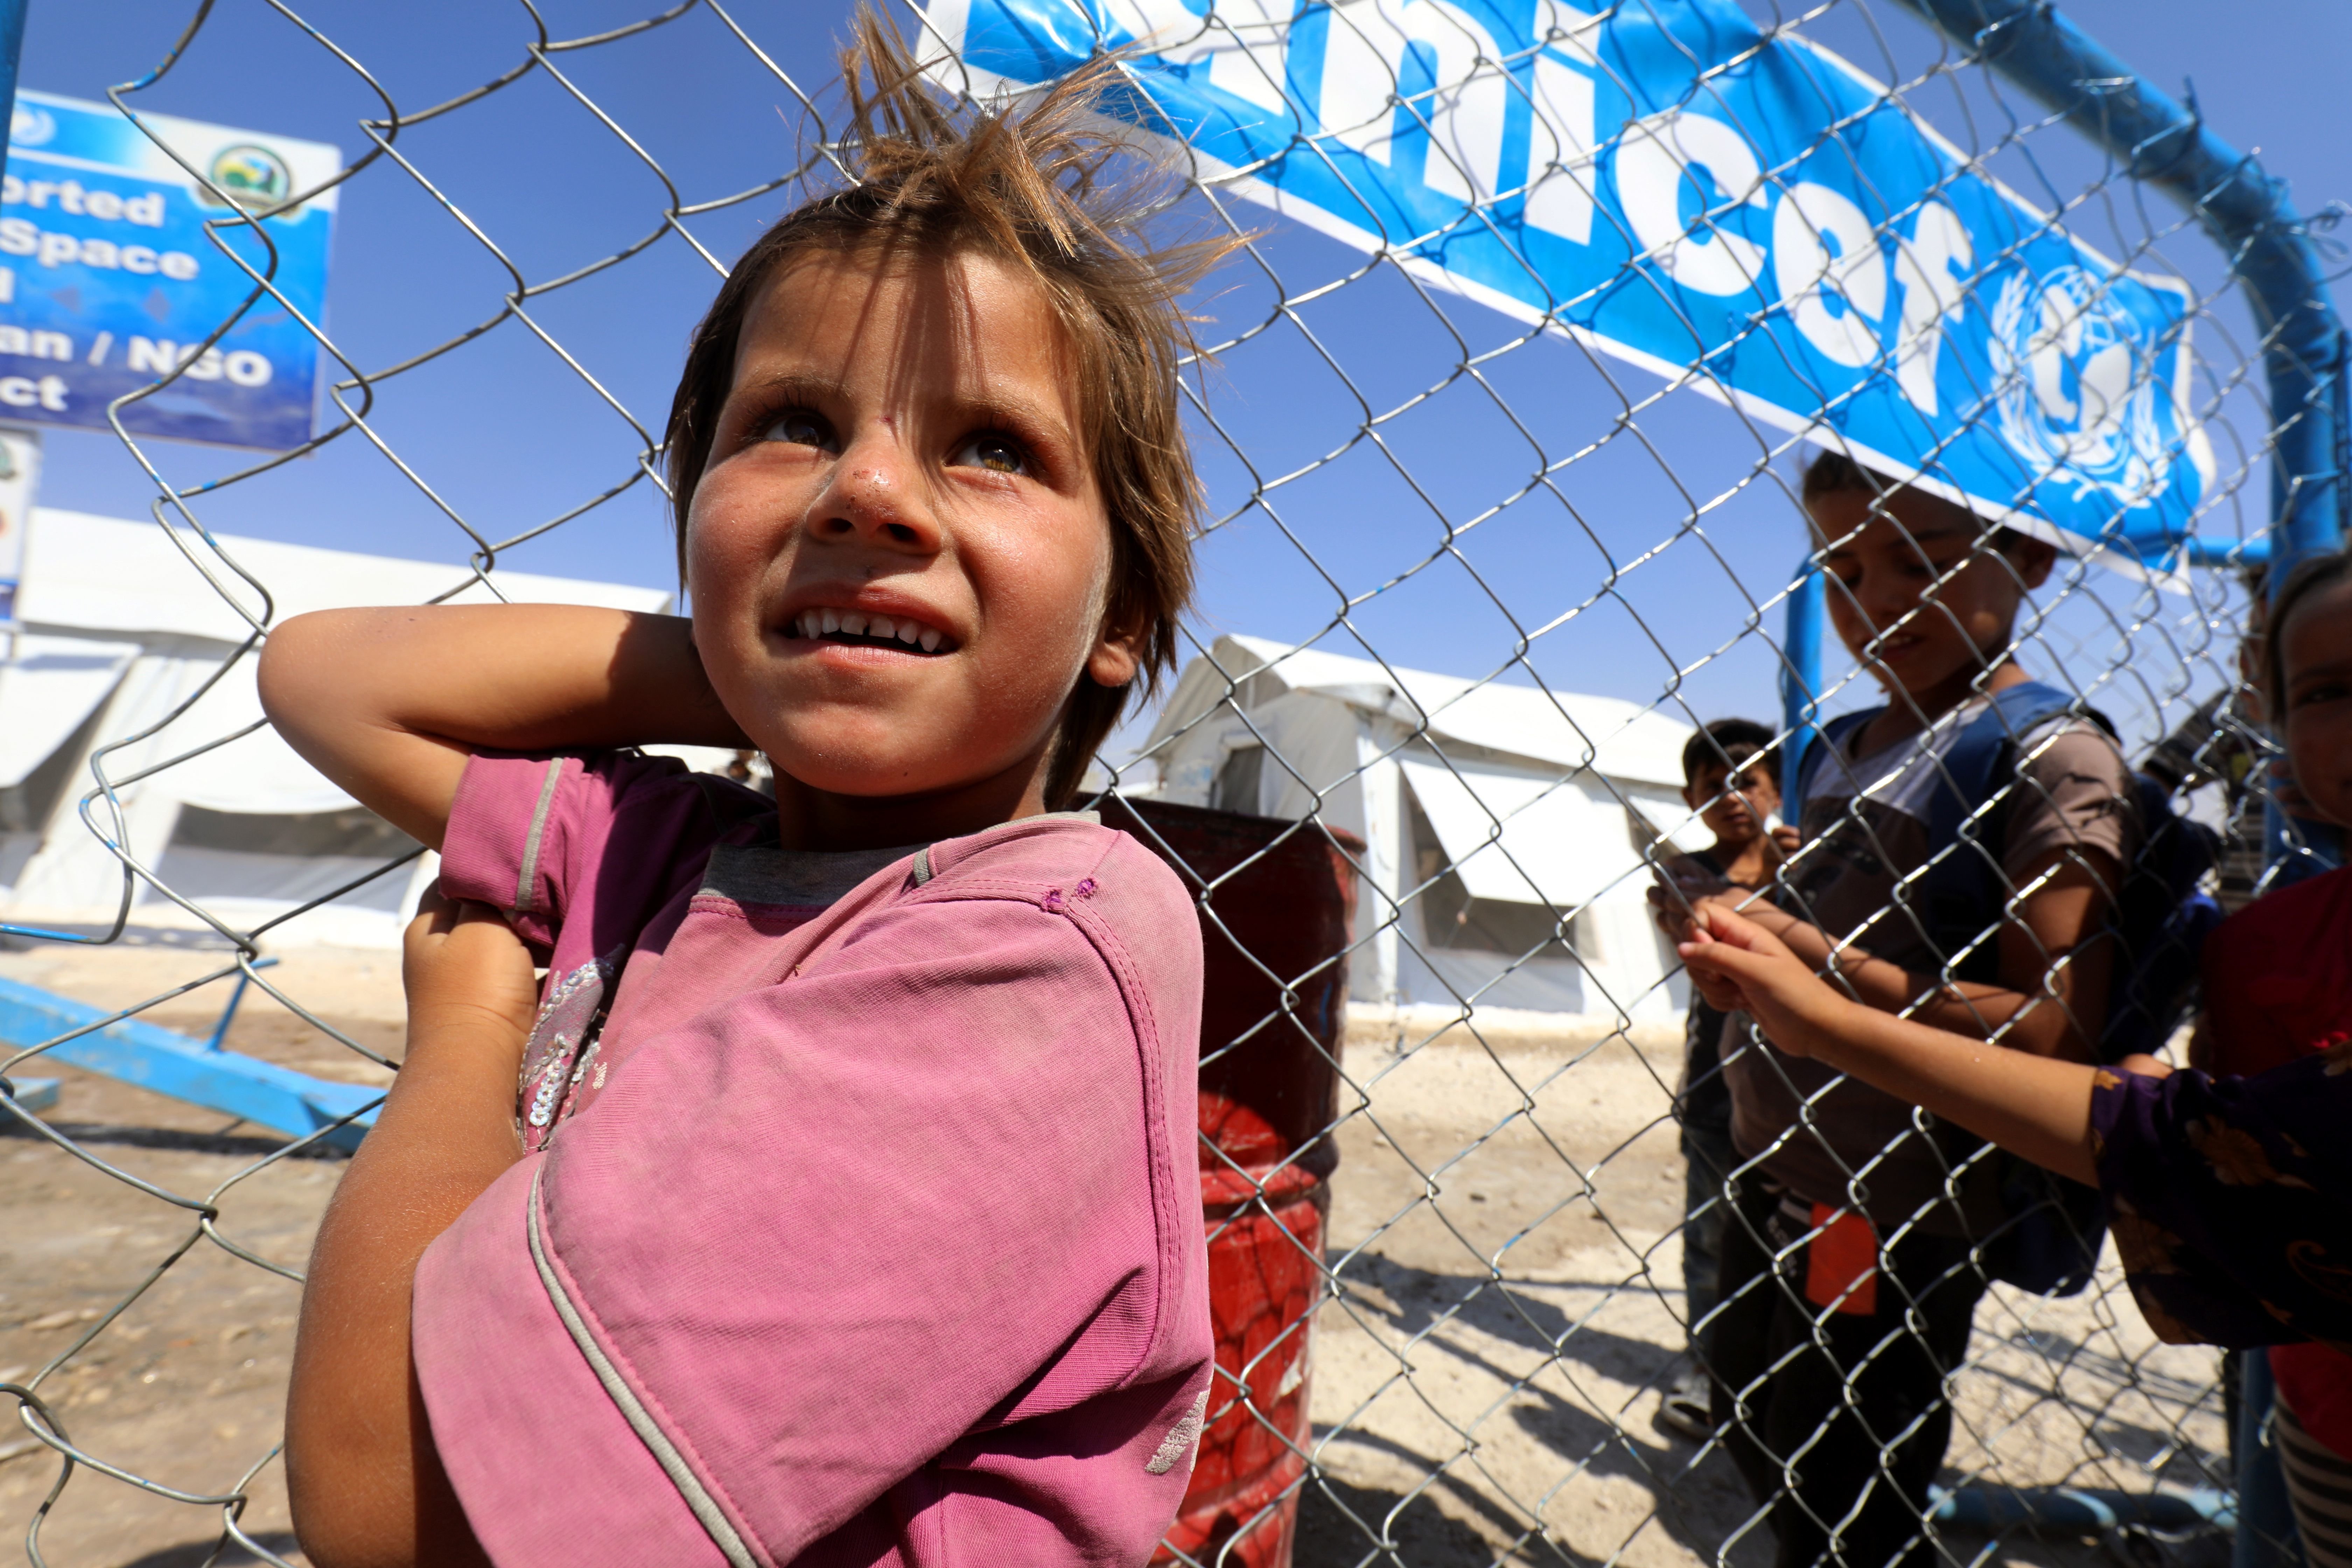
(1500, 1297)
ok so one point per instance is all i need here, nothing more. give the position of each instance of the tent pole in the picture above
(1801, 675)
(12, 49)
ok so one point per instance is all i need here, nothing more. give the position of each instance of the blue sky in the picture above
(510, 437)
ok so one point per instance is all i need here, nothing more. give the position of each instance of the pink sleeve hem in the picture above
(499, 846)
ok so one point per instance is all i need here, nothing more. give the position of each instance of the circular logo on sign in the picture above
(2076, 385)
(251, 177)
(31, 127)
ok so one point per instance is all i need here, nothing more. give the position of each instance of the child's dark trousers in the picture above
(1847, 1487)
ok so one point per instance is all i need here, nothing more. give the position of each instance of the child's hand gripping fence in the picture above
(1480, 561)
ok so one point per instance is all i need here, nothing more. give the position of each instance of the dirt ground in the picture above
(186, 1385)
(1485, 1375)
(1506, 1232)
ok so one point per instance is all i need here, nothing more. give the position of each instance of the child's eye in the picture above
(999, 454)
(802, 427)
(2325, 691)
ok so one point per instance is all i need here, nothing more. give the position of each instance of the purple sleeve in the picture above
(2231, 1199)
(608, 833)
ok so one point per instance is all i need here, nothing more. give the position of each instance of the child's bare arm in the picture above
(390, 702)
(2034, 1108)
(365, 1480)
(2051, 1001)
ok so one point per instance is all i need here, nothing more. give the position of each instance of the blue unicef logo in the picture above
(2077, 386)
(31, 126)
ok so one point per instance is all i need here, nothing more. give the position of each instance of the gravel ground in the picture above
(1510, 1336)
(187, 1385)
(1485, 1379)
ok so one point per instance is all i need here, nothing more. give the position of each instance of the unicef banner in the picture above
(1681, 191)
(109, 279)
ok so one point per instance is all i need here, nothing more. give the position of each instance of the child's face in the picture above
(1734, 809)
(902, 450)
(2315, 653)
(1918, 638)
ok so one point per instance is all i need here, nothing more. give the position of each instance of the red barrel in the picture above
(1278, 919)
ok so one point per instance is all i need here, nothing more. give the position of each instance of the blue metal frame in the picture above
(219, 1037)
(156, 1058)
(2165, 144)
(12, 49)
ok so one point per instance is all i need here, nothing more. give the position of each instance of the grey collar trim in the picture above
(763, 874)
(924, 873)
(760, 873)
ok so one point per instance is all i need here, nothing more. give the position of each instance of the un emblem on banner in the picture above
(2076, 386)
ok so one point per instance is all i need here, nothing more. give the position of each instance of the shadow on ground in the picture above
(1342, 1526)
(199, 1554)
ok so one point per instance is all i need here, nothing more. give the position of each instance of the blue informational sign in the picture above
(1680, 189)
(109, 278)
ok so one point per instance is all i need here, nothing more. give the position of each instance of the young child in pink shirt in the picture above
(846, 1210)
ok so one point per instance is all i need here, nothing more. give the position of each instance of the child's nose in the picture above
(874, 496)
(1886, 598)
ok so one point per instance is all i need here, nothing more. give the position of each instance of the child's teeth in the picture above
(832, 623)
(931, 641)
(882, 627)
(852, 622)
(907, 630)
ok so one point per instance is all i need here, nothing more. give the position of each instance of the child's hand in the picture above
(1785, 842)
(1670, 910)
(1680, 884)
(464, 969)
(1762, 977)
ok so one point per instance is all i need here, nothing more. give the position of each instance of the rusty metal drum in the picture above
(1276, 918)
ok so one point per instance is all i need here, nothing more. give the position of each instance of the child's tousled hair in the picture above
(1832, 472)
(1733, 744)
(2306, 579)
(1027, 188)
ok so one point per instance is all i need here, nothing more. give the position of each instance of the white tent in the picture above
(1488, 813)
(119, 629)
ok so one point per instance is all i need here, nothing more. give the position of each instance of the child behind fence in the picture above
(1850, 1270)
(846, 1213)
(1727, 779)
(2277, 987)
(2230, 1196)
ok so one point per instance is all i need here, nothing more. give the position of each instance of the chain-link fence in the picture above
(1544, 316)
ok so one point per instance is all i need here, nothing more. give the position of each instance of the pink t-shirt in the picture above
(866, 1230)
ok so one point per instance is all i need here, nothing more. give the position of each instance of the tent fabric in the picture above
(1494, 979)
(1671, 820)
(1564, 728)
(258, 773)
(1356, 744)
(103, 573)
(120, 622)
(1523, 839)
(48, 687)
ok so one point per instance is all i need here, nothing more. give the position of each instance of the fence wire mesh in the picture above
(1490, 1291)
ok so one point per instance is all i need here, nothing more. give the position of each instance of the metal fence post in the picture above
(12, 49)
